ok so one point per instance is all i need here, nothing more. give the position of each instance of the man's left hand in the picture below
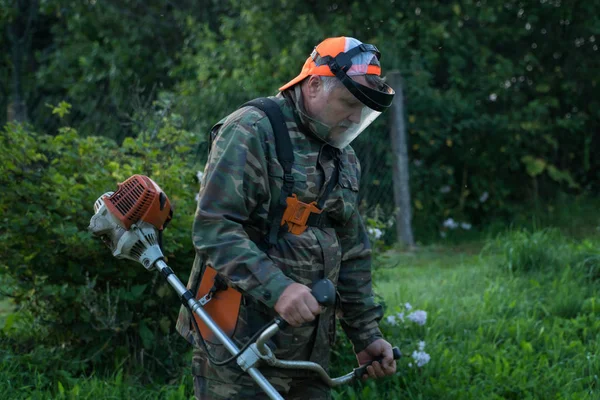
(378, 348)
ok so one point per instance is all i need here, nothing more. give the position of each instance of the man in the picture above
(335, 97)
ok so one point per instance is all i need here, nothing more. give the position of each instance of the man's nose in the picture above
(355, 117)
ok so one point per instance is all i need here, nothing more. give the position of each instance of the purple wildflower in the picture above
(420, 357)
(419, 317)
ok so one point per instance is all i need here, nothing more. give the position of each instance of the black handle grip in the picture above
(282, 323)
(324, 292)
(360, 371)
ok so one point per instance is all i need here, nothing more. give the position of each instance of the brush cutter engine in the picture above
(130, 221)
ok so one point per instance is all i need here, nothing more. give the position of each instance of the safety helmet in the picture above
(344, 57)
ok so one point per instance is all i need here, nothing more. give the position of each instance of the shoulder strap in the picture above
(285, 155)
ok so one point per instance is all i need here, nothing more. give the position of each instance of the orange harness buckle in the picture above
(296, 214)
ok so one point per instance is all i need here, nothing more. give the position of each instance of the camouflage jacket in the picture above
(242, 180)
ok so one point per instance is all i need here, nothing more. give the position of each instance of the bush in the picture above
(524, 251)
(546, 250)
(82, 298)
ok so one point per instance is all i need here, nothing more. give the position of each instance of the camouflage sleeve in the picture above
(359, 314)
(235, 189)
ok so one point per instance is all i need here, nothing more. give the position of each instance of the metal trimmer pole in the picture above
(197, 309)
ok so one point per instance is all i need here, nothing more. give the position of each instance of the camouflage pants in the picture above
(228, 382)
(206, 389)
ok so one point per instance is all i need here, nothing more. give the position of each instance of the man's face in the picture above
(339, 117)
(338, 109)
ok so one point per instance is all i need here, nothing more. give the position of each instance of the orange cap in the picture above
(332, 47)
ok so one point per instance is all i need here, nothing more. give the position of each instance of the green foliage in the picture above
(77, 293)
(546, 250)
(501, 97)
(486, 133)
(43, 374)
(524, 251)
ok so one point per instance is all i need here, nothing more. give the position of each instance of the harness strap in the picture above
(333, 180)
(285, 155)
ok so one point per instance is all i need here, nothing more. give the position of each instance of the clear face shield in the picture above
(371, 101)
(356, 119)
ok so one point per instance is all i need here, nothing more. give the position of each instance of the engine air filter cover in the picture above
(140, 198)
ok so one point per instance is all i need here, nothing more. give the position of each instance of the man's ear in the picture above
(313, 86)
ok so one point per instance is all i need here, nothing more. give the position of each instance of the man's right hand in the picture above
(296, 305)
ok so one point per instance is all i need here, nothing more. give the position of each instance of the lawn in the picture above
(491, 332)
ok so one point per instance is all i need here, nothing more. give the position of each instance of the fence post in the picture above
(400, 164)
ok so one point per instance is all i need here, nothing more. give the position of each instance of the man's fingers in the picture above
(304, 313)
(378, 370)
(387, 353)
(390, 369)
(312, 304)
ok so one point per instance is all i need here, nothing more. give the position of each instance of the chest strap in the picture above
(288, 209)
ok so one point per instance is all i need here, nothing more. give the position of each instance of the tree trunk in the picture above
(20, 33)
(400, 169)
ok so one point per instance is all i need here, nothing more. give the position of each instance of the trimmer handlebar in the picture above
(324, 292)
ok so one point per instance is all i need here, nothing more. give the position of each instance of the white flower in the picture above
(421, 345)
(407, 306)
(493, 97)
(420, 357)
(391, 320)
(445, 189)
(418, 317)
(465, 225)
(410, 365)
(450, 224)
(400, 316)
(199, 175)
(376, 232)
(484, 196)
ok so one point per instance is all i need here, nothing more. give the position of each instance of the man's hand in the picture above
(297, 305)
(378, 348)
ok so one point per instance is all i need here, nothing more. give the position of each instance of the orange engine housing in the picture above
(140, 198)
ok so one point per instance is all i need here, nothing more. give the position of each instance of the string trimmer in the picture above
(130, 221)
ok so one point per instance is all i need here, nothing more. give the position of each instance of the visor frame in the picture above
(341, 63)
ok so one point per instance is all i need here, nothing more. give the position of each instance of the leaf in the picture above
(562, 176)
(63, 108)
(137, 290)
(526, 346)
(147, 335)
(542, 88)
(9, 322)
(418, 204)
(61, 389)
(534, 166)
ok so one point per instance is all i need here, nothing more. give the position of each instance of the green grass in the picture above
(491, 334)
(6, 307)
(17, 383)
(528, 332)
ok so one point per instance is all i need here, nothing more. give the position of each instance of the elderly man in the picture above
(241, 230)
